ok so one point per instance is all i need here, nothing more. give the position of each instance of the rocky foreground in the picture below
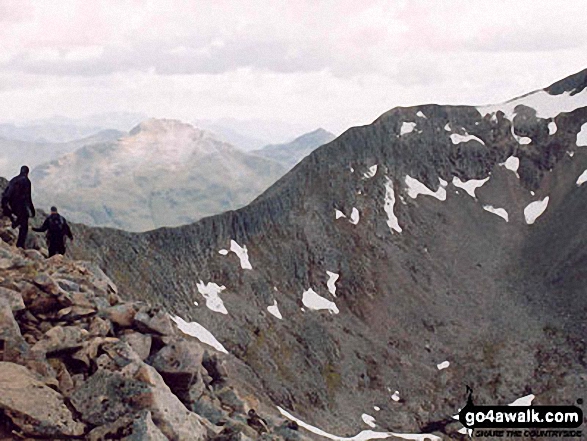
(77, 362)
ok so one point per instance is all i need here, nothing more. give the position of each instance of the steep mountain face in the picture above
(163, 173)
(291, 153)
(440, 246)
(15, 153)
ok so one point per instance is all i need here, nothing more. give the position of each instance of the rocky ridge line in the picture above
(77, 362)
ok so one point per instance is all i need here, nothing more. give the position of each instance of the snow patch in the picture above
(582, 135)
(552, 128)
(365, 435)
(498, 211)
(407, 127)
(524, 401)
(388, 204)
(443, 365)
(371, 172)
(512, 163)
(210, 292)
(354, 216)
(546, 105)
(416, 188)
(457, 139)
(535, 209)
(331, 283)
(338, 214)
(420, 114)
(198, 331)
(582, 179)
(469, 186)
(447, 127)
(395, 396)
(312, 300)
(223, 252)
(368, 420)
(274, 310)
(242, 254)
(376, 408)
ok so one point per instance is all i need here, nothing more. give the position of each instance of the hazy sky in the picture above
(311, 63)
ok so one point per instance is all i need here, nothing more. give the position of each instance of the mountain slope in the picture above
(457, 235)
(163, 173)
(291, 153)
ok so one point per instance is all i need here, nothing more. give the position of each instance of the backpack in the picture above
(56, 226)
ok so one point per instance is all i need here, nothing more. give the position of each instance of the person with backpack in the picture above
(57, 229)
(17, 204)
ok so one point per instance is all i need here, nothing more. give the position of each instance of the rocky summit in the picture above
(437, 248)
(77, 362)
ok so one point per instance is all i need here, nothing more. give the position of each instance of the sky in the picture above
(301, 64)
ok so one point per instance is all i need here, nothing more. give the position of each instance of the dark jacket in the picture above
(53, 233)
(17, 197)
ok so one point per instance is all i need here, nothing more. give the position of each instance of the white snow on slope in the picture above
(447, 127)
(198, 331)
(457, 139)
(524, 401)
(420, 114)
(242, 254)
(368, 420)
(407, 127)
(582, 135)
(274, 310)
(498, 211)
(312, 300)
(415, 188)
(365, 435)
(469, 186)
(546, 105)
(582, 179)
(354, 216)
(552, 128)
(210, 292)
(223, 252)
(331, 283)
(512, 163)
(371, 172)
(535, 209)
(395, 396)
(388, 204)
(443, 365)
(338, 214)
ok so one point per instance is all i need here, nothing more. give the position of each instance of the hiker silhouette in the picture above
(17, 204)
(57, 229)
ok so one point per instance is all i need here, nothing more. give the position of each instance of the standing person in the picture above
(57, 229)
(18, 204)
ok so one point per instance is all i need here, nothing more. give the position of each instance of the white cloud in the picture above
(332, 64)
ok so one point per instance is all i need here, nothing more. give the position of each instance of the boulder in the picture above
(180, 365)
(34, 407)
(122, 315)
(155, 320)
(138, 387)
(62, 338)
(140, 343)
(14, 298)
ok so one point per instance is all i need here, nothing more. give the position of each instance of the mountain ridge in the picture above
(427, 272)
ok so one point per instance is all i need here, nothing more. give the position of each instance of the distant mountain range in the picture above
(15, 153)
(61, 129)
(161, 173)
(289, 154)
